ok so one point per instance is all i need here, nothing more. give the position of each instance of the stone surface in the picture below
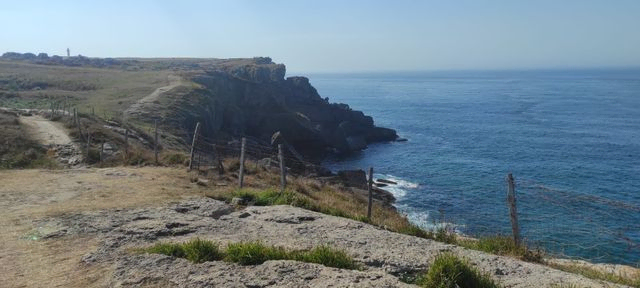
(384, 255)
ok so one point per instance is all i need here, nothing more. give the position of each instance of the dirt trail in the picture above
(30, 253)
(44, 131)
(138, 107)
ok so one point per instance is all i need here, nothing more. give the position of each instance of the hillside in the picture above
(232, 98)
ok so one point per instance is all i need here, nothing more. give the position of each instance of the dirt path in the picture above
(44, 131)
(138, 107)
(31, 255)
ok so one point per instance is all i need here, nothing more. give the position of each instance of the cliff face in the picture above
(251, 97)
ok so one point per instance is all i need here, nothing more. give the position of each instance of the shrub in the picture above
(448, 271)
(175, 158)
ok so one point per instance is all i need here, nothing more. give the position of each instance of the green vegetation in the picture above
(196, 250)
(448, 271)
(251, 253)
(589, 272)
(502, 245)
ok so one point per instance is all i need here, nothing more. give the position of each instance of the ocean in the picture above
(571, 138)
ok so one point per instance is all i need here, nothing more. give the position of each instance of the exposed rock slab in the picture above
(384, 254)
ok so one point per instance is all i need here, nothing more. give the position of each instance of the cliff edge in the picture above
(252, 97)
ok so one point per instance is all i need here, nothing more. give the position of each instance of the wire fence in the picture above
(555, 220)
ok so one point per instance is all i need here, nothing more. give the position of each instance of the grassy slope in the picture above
(25, 85)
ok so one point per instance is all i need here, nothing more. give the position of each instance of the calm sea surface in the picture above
(570, 138)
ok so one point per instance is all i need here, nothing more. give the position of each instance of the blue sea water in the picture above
(571, 139)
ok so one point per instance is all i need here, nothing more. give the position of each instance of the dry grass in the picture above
(588, 270)
(107, 90)
(55, 262)
(314, 195)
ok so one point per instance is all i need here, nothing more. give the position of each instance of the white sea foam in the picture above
(400, 189)
(425, 221)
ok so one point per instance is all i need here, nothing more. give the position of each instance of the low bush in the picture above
(175, 158)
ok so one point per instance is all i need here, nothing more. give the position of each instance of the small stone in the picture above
(237, 201)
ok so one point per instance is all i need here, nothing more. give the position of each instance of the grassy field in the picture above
(24, 85)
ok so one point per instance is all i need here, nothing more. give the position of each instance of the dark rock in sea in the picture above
(380, 184)
(353, 178)
(401, 140)
(380, 180)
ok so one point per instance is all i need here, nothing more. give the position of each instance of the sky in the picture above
(337, 36)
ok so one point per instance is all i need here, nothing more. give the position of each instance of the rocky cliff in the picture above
(251, 97)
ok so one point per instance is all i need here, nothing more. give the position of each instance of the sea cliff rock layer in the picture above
(252, 97)
(231, 98)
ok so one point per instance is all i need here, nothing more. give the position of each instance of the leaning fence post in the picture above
(242, 149)
(283, 175)
(155, 146)
(370, 193)
(193, 145)
(513, 212)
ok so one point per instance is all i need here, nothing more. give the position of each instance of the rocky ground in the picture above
(108, 228)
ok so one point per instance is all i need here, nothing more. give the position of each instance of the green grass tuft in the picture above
(195, 250)
(251, 253)
(327, 256)
(448, 271)
(598, 275)
(503, 245)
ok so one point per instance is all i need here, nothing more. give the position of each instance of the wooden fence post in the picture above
(101, 152)
(79, 126)
(88, 145)
(126, 143)
(370, 193)
(193, 145)
(242, 149)
(513, 212)
(155, 146)
(283, 175)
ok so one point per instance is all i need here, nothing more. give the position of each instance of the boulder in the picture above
(354, 178)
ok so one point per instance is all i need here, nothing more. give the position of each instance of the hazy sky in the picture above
(326, 35)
